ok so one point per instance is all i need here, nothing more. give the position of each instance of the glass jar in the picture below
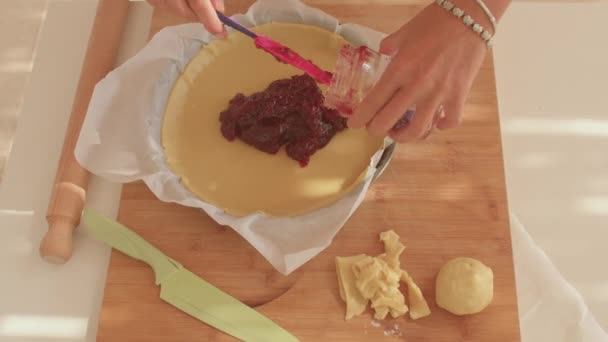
(357, 70)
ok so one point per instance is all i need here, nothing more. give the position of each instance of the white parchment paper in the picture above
(120, 139)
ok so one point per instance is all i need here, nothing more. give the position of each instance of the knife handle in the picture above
(129, 243)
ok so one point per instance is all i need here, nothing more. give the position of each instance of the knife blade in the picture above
(185, 290)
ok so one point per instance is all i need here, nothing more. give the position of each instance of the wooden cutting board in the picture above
(445, 197)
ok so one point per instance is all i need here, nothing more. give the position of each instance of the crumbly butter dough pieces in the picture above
(464, 286)
(379, 283)
(235, 176)
(392, 247)
(377, 280)
(391, 301)
(355, 303)
(368, 272)
(418, 306)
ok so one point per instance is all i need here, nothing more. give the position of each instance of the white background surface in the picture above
(551, 75)
(552, 78)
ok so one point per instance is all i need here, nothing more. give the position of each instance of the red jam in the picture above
(289, 112)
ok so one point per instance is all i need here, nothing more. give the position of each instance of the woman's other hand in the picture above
(435, 61)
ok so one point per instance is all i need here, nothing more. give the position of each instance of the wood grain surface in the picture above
(445, 197)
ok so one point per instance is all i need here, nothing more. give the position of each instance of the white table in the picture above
(552, 101)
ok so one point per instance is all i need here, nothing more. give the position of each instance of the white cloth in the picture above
(550, 309)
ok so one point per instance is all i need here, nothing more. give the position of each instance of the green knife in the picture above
(186, 291)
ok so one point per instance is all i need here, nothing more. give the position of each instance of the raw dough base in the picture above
(233, 175)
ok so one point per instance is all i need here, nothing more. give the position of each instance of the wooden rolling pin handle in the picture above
(56, 246)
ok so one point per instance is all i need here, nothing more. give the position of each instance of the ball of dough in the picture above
(464, 286)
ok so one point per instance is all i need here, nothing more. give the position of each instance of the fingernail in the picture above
(389, 51)
(428, 131)
(219, 5)
(353, 124)
(222, 35)
(345, 113)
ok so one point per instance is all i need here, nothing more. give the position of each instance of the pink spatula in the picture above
(280, 52)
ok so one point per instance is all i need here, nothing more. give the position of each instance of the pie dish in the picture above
(233, 175)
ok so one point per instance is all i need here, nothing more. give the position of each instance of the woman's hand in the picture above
(436, 59)
(195, 10)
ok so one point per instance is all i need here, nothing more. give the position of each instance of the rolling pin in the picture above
(71, 181)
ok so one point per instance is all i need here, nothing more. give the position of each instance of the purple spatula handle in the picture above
(229, 22)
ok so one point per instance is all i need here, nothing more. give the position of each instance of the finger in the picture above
(380, 94)
(453, 110)
(219, 5)
(420, 125)
(206, 14)
(388, 116)
(159, 4)
(371, 104)
(390, 44)
(438, 115)
(182, 8)
(178, 7)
